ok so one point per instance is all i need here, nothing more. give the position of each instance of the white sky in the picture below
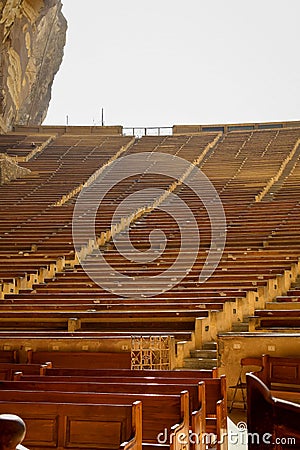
(163, 62)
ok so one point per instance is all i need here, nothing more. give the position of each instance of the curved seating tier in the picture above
(43, 287)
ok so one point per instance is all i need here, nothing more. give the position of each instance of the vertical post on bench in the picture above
(17, 376)
(198, 332)
(172, 355)
(29, 356)
(137, 424)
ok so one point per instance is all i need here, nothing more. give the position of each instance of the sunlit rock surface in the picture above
(32, 36)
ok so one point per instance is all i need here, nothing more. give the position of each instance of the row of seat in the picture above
(251, 268)
(171, 402)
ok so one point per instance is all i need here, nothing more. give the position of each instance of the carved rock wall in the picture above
(10, 170)
(32, 39)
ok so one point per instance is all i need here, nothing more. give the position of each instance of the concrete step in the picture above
(296, 284)
(210, 346)
(206, 354)
(200, 363)
(239, 327)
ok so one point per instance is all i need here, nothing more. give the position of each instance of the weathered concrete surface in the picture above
(32, 38)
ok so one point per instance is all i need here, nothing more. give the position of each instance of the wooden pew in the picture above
(19, 336)
(274, 318)
(272, 423)
(160, 412)
(215, 388)
(7, 370)
(65, 426)
(196, 394)
(84, 360)
(95, 320)
(171, 374)
(12, 431)
(9, 356)
(282, 376)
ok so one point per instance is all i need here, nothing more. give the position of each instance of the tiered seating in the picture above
(22, 147)
(174, 146)
(47, 295)
(282, 314)
(247, 266)
(196, 402)
(52, 177)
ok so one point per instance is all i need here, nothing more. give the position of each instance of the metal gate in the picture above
(151, 352)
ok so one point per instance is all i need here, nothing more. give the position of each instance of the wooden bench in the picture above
(215, 388)
(172, 374)
(7, 370)
(84, 360)
(274, 319)
(159, 412)
(272, 423)
(72, 337)
(77, 425)
(196, 393)
(100, 320)
(9, 356)
(282, 376)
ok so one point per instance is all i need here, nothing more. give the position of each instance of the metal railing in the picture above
(147, 131)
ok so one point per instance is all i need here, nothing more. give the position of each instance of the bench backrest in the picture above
(278, 371)
(8, 356)
(215, 388)
(84, 360)
(203, 373)
(7, 370)
(130, 388)
(72, 426)
(160, 412)
(270, 418)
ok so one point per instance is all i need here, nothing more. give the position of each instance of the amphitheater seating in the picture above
(45, 294)
(248, 264)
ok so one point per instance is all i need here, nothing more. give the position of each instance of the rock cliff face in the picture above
(32, 38)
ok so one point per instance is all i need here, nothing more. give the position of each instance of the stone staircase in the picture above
(206, 358)
(239, 327)
(296, 284)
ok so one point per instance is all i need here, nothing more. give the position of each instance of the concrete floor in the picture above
(237, 423)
